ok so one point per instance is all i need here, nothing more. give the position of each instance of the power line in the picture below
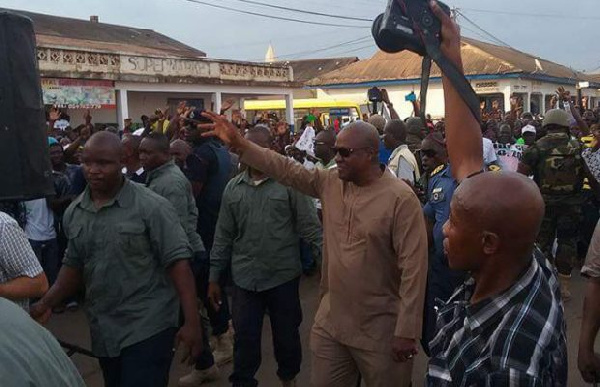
(303, 11)
(482, 30)
(273, 16)
(480, 35)
(296, 54)
(356, 49)
(351, 42)
(555, 16)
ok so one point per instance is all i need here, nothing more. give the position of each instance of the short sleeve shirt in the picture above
(17, 259)
(123, 250)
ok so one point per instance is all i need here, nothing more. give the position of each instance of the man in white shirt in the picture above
(402, 162)
(306, 141)
(42, 236)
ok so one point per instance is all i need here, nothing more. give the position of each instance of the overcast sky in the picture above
(528, 25)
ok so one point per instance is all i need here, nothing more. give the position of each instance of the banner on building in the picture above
(78, 93)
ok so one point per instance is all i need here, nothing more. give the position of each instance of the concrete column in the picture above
(527, 103)
(507, 93)
(289, 110)
(217, 100)
(242, 110)
(543, 105)
(122, 107)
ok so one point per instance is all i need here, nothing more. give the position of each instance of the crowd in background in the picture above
(202, 187)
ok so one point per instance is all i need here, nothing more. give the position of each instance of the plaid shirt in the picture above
(17, 259)
(514, 339)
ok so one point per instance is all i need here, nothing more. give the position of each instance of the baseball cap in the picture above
(556, 117)
(528, 129)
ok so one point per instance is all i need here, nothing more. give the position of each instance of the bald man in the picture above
(132, 168)
(505, 325)
(180, 151)
(375, 258)
(127, 246)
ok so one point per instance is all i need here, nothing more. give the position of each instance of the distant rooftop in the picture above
(63, 32)
(307, 69)
(479, 58)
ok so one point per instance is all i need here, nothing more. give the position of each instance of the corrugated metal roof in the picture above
(307, 69)
(478, 58)
(59, 31)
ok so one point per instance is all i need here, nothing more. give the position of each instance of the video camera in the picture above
(412, 25)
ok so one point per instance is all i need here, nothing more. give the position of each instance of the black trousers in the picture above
(285, 313)
(146, 363)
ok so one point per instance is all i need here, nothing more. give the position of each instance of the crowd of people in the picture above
(455, 236)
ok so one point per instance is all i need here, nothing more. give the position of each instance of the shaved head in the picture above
(378, 122)
(488, 222)
(523, 207)
(180, 146)
(180, 151)
(364, 135)
(106, 140)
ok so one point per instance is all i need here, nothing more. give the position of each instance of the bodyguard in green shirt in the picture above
(258, 234)
(166, 179)
(127, 246)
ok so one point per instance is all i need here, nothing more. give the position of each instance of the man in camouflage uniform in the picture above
(557, 167)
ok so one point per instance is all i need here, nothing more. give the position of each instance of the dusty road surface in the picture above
(72, 327)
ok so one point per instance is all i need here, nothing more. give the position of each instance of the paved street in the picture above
(72, 327)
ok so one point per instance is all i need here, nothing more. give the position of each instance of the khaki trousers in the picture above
(337, 365)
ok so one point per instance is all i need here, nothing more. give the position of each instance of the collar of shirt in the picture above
(245, 178)
(157, 171)
(395, 152)
(485, 312)
(442, 170)
(124, 198)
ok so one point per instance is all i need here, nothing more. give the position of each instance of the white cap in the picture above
(528, 129)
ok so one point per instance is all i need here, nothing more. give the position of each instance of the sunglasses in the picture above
(345, 152)
(428, 152)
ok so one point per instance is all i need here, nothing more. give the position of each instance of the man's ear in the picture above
(490, 242)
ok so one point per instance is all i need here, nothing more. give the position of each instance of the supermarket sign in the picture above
(79, 94)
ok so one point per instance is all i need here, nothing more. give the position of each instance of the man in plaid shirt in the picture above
(504, 326)
(21, 276)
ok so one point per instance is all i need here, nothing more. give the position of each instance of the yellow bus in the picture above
(347, 111)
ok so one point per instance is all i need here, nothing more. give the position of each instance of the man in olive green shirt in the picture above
(166, 179)
(126, 244)
(258, 234)
(30, 355)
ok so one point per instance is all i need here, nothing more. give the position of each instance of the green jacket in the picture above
(258, 233)
(169, 182)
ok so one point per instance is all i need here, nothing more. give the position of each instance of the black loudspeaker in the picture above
(25, 169)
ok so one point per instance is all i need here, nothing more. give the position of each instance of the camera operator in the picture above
(485, 330)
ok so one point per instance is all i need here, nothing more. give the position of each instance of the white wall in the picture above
(435, 96)
(104, 116)
(141, 103)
